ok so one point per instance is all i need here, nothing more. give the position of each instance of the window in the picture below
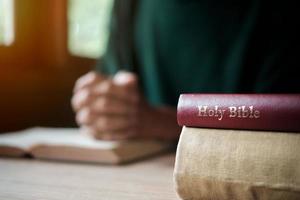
(88, 27)
(6, 22)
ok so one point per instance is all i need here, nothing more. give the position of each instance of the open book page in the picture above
(69, 144)
(14, 144)
(53, 136)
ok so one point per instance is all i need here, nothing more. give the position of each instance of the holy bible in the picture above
(271, 112)
(237, 164)
(68, 144)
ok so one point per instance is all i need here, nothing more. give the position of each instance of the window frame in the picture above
(38, 46)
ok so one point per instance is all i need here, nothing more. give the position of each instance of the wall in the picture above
(37, 73)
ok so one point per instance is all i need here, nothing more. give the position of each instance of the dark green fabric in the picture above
(120, 53)
(210, 46)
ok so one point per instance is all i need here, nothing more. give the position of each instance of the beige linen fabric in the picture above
(237, 164)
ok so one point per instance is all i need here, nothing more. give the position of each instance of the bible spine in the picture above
(275, 112)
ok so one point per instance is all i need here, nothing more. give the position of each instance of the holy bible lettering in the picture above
(273, 112)
(231, 111)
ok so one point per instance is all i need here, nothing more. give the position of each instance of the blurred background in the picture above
(45, 45)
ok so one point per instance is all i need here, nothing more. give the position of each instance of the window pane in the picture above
(6, 22)
(88, 26)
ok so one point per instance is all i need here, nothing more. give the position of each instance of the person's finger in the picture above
(122, 92)
(105, 122)
(126, 80)
(109, 123)
(123, 86)
(103, 102)
(108, 135)
(88, 130)
(85, 117)
(114, 106)
(118, 135)
(82, 98)
(88, 80)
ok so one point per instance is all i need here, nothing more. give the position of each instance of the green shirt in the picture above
(208, 46)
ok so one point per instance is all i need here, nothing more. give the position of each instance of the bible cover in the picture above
(274, 112)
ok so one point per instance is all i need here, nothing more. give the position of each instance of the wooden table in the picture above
(34, 179)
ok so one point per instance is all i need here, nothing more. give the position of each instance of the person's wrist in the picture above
(158, 123)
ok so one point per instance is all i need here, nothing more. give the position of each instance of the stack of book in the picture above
(238, 146)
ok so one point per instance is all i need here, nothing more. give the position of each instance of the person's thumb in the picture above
(127, 80)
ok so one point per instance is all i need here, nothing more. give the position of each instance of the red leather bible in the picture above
(273, 112)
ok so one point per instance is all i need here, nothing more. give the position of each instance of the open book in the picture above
(69, 145)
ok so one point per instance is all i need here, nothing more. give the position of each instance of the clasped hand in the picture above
(112, 108)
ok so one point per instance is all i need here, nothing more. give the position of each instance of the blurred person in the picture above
(160, 49)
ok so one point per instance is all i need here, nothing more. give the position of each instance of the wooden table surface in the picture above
(34, 179)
